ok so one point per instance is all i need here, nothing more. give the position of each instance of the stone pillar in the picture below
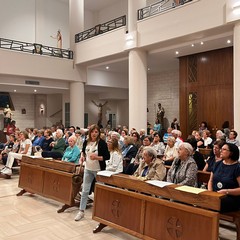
(77, 104)
(236, 76)
(137, 89)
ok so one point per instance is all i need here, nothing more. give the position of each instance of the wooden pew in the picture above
(131, 205)
(233, 217)
(50, 178)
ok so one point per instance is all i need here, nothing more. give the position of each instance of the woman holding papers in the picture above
(184, 168)
(151, 168)
(94, 153)
(115, 163)
(225, 178)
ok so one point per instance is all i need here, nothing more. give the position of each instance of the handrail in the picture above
(35, 48)
(158, 8)
(101, 28)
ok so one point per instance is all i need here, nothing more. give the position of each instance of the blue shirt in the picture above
(71, 154)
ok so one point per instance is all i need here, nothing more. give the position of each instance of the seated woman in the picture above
(170, 152)
(225, 178)
(72, 152)
(184, 168)
(215, 157)
(132, 167)
(25, 149)
(157, 144)
(129, 151)
(207, 141)
(115, 163)
(151, 167)
(46, 145)
(58, 146)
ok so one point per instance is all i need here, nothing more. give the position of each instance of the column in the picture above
(77, 104)
(236, 77)
(76, 20)
(137, 89)
(133, 7)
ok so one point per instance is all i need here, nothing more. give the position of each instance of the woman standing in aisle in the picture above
(94, 153)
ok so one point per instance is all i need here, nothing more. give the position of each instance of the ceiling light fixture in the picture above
(228, 41)
(202, 43)
(14, 90)
(192, 45)
(35, 90)
(107, 67)
(177, 52)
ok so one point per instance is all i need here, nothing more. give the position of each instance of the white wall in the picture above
(163, 88)
(19, 22)
(112, 11)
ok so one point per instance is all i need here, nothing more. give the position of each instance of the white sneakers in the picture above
(79, 216)
(6, 171)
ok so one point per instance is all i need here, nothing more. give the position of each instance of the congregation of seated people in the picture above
(142, 154)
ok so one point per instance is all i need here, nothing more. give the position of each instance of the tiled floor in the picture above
(31, 217)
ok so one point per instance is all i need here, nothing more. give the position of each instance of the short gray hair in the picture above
(60, 131)
(150, 151)
(187, 146)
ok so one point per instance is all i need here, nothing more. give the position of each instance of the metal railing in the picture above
(35, 48)
(159, 7)
(101, 28)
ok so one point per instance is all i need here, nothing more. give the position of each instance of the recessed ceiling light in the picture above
(202, 43)
(228, 41)
(14, 90)
(149, 69)
(35, 90)
(177, 52)
(192, 45)
(107, 67)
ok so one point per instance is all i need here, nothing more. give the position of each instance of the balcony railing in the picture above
(101, 28)
(159, 7)
(35, 48)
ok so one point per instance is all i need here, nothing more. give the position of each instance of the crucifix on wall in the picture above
(100, 109)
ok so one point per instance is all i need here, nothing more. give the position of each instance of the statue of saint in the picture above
(160, 113)
(100, 106)
(7, 115)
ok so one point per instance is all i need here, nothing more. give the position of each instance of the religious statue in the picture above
(59, 41)
(100, 106)
(160, 113)
(7, 115)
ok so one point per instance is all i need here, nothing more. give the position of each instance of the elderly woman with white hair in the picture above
(150, 167)
(72, 152)
(58, 146)
(184, 168)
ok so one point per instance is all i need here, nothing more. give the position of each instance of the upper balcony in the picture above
(161, 25)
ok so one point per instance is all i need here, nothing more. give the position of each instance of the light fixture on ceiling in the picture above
(229, 41)
(148, 69)
(202, 43)
(107, 67)
(14, 90)
(192, 45)
(177, 52)
(35, 90)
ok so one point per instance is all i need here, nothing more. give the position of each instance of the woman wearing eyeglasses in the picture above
(225, 178)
